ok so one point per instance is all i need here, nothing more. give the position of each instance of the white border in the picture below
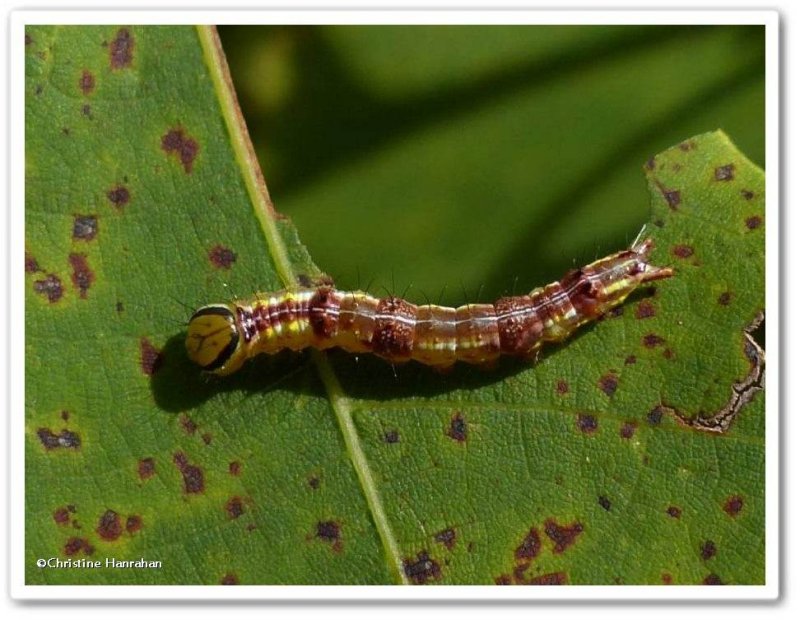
(19, 590)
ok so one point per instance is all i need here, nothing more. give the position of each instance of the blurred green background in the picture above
(472, 161)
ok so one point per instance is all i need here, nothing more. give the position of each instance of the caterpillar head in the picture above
(213, 340)
(605, 283)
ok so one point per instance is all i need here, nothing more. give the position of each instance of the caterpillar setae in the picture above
(221, 337)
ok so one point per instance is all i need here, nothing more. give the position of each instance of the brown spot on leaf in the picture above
(234, 468)
(604, 502)
(314, 482)
(330, 532)
(652, 340)
(753, 222)
(627, 430)
(446, 537)
(64, 439)
(109, 527)
(86, 82)
(587, 423)
(207, 437)
(86, 110)
(529, 548)
(234, 507)
(708, 550)
(75, 545)
(654, 415)
(548, 579)
(84, 227)
(503, 580)
(668, 354)
(31, 264)
(688, 145)
(187, 424)
(747, 194)
(712, 580)
(133, 524)
(146, 468)
(82, 276)
(176, 142)
(391, 436)
(733, 505)
(645, 309)
(724, 173)
(119, 196)
(666, 579)
(221, 257)
(120, 50)
(422, 569)
(725, 298)
(458, 427)
(608, 383)
(672, 196)
(562, 387)
(229, 579)
(50, 287)
(120, 307)
(193, 480)
(682, 251)
(674, 512)
(150, 358)
(61, 515)
(563, 536)
(631, 359)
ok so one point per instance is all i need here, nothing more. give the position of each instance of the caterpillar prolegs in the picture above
(221, 337)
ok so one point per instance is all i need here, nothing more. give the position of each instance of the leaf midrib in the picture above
(259, 197)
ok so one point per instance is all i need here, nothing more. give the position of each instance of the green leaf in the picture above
(593, 466)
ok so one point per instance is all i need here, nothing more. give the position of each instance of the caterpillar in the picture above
(221, 337)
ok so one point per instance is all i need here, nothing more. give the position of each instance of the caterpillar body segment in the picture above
(221, 337)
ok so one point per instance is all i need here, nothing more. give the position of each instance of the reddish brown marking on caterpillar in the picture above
(222, 336)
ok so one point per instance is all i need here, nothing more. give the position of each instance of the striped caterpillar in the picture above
(221, 337)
